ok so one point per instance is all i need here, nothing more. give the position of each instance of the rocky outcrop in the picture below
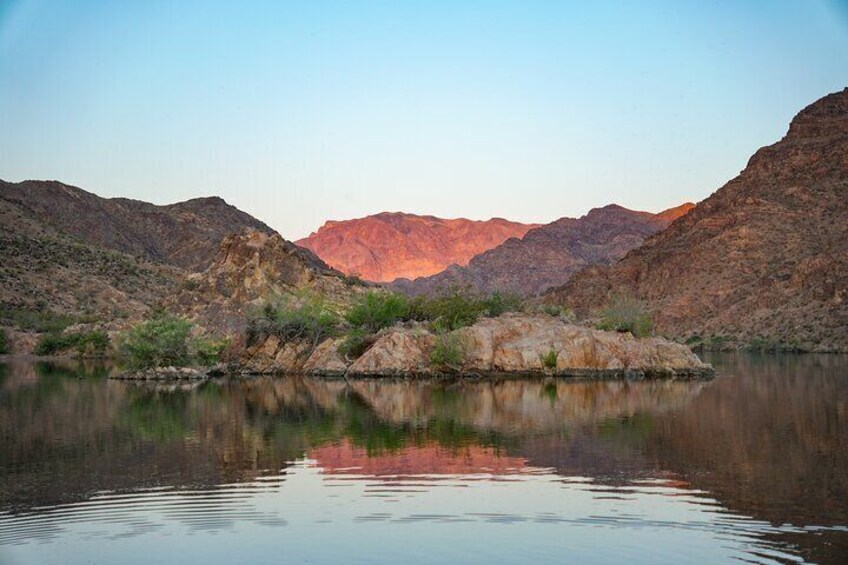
(510, 344)
(185, 234)
(764, 258)
(249, 269)
(387, 246)
(548, 255)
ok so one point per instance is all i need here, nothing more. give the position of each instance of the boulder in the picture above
(515, 344)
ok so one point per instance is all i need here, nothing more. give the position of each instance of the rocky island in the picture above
(512, 344)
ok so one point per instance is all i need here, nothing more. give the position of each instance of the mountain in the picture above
(47, 276)
(548, 255)
(390, 245)
(69, 256)
(764, 258)
(185, 234)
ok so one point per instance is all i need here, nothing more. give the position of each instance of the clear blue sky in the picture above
(299, 112)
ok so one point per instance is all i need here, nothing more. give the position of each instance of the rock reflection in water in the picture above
(765, 440)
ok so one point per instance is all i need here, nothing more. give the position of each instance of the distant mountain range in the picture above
(390, 245)
(764, 258)
(548, 255)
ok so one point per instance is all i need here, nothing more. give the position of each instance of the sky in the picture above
(300, 112)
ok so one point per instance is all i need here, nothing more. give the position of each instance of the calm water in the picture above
(752, 467)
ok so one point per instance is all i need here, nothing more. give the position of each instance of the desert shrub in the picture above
(355, 343)
(94, 343)
(451, 309)
(626, 314)
(694, 341)
(448, 352)
(166, 340)
(353, 279)
(37, 320)
(717, 342)
(558, 312)
(549, 359)
(499, 303)
(4, 342)
(51, 343)
(374, 311)
(207, 351)
(293, 319)
(190, 284)
(551, 309)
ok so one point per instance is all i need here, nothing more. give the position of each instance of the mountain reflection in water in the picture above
(752, 466)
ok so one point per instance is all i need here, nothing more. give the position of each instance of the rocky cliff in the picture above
(764, 258)
(387, 246)
(548, 255)
(185, 234)
(250, 268)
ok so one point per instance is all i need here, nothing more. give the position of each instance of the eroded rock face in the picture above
(766, 256)
(250, 268)
(509, 344)
(548, 255)
(387, 246)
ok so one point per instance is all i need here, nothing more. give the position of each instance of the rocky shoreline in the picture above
(509, 345)
(168, 374)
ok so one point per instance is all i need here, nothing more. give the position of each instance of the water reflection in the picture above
(751, 466)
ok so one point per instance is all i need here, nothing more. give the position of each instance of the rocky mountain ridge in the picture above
(764, 259)
(185, 234)
(548, 255)
(389, 245)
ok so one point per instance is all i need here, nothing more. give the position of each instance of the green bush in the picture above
(499, 303)
(166, 340)
(626, 314)
(549, 359)
(356, 343)
(51, 343)
(4, 342)
(208, 351)
(451, 309)
(353, 279)
(88, 344)
(448, 352)
(551, 309)
(374, 311)
(293, 319)
(93, 344)
(694, 341)
(717, 343)
(558, 311)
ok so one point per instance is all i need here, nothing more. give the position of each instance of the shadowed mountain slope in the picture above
(548, 255)
(186, 234)
(766, 256)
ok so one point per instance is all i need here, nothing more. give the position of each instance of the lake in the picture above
(751, 466)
